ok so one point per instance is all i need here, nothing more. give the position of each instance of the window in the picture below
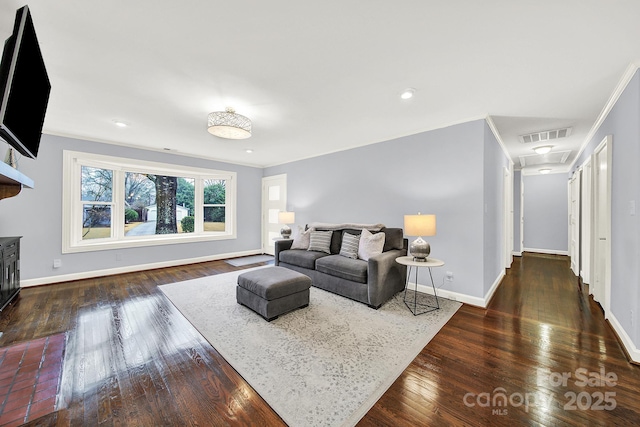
(111, 202)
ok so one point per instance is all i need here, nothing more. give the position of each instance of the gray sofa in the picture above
(371, 282)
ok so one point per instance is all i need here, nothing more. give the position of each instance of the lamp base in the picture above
(420, 250)
(285, 232)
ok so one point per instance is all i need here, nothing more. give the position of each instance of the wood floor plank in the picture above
(133, 359)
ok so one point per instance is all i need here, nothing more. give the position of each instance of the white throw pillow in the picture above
(370, 244)
(301, 241)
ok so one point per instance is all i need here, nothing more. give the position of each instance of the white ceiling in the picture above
(324, 76)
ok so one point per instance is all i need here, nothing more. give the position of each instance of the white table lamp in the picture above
(420, 225)
(286, 218)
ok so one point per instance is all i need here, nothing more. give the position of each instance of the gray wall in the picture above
(623, 123)
(36, 214)
(495, 162)
(439, 172)
(517, 181)
(546, 213)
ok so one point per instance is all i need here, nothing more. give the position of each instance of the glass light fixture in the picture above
(286, 218)
(408, 93)
(544, 171)
(229, 124)
(420, 225)
(543, 149)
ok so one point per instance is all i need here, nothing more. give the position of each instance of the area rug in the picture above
(323, 365)
(247, 260)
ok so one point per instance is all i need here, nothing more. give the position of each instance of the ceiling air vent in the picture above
(547, 135)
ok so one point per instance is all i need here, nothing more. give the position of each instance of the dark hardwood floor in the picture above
(132, 359)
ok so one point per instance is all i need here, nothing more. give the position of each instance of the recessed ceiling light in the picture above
(120, 124)
(543, 149)
(408, 93)
(544, 171)
(249, 150)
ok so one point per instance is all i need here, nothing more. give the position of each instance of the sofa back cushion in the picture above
(394, 239)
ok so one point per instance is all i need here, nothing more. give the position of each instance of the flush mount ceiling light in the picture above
(120, 124)
(408, 93)
(543, 149)
(544, 171)
(228, 124)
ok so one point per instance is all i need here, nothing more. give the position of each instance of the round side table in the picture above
(429, 263)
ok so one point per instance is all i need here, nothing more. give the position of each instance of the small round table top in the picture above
(430, 262)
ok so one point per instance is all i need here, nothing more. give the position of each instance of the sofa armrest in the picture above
(385, 276)
(281, 245)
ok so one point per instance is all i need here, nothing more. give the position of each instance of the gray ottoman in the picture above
(273, 291)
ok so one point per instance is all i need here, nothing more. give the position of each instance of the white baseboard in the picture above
(131, 268)
(493, 289)
(514, 253)
(546, 251)
(628, 344)
(456, 296)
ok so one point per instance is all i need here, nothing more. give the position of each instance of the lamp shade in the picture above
(420, 225)
(286, 217)
(229, 124)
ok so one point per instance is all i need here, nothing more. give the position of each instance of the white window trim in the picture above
(72, 205)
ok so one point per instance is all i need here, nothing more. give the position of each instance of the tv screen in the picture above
(24, 87)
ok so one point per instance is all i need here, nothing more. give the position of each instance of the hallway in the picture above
(542, 340)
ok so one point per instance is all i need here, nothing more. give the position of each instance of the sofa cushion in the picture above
(349, 246)
(301, 241)
(320, 241)
(394, 239)
(301, 258)
(345, 268)
(370, 244)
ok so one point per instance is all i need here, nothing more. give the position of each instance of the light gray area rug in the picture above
(247, 260)
(324, 365)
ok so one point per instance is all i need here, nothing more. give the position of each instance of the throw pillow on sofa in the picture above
(350, 244)
(320, 241)
(370, 244)
(302, 239)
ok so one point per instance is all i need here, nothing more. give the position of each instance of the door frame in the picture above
(602, 231)
(574, 221)
(507, 200)
(586, 222)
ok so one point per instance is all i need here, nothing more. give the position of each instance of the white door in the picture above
(601, 282)
(585, 223)
(274, 200)
(574, 223)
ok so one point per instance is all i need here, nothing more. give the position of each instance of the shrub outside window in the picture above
(112, 202)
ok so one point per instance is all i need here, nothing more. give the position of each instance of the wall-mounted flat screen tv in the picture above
(24, 87)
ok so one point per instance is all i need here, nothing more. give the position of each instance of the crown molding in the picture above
(613, 98)
(494, 129)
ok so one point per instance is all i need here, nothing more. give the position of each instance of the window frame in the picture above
(72, 203)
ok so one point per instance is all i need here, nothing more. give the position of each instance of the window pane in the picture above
(158, 204)
(214, 218)
(274, 192)
(96, 184)
(214, 191)
(96, 221)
